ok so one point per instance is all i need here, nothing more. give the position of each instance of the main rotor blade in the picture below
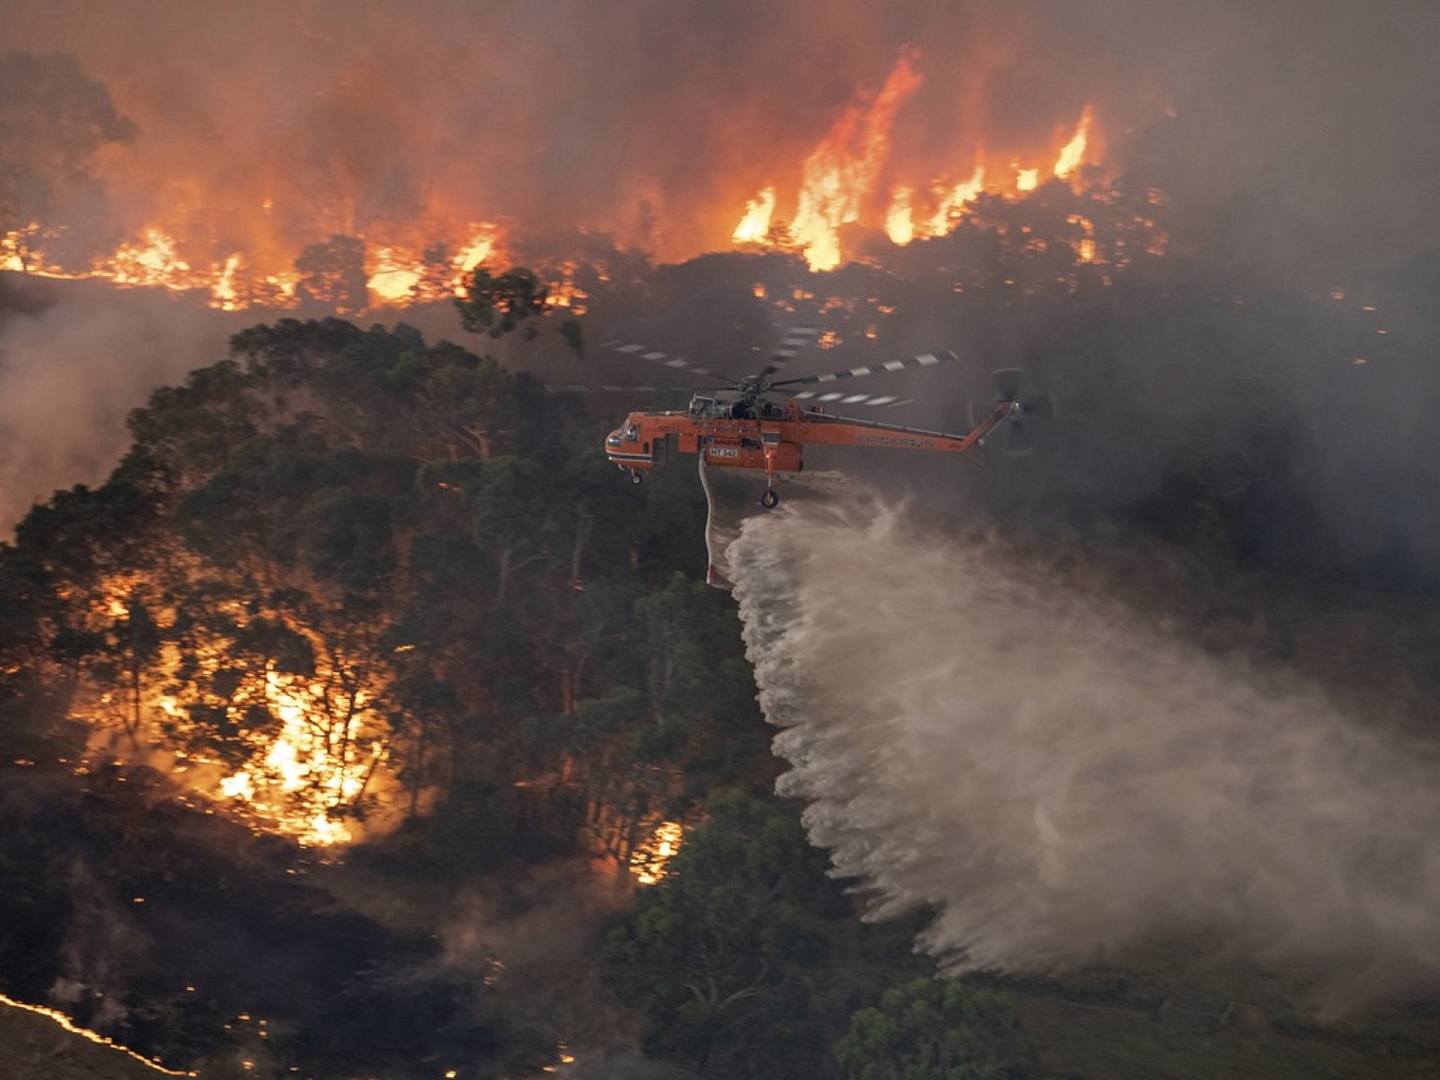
(869, 400)
(664, 359)
(923, 360)
(792, 340)
(610, 388)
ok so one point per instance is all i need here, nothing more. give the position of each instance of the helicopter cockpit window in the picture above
(632, 433)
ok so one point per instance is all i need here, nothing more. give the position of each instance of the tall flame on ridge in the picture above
(1072, 154)
(952, 203)
(841, 172)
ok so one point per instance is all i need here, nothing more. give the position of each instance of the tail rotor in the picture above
(1014, 436)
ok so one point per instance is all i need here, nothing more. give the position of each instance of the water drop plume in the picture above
(1062, 778)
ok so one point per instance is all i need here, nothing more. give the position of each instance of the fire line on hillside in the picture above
(852, 179)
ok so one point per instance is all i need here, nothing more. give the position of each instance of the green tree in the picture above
(332, 273)
(499, 304)
(574, 334)
(514, 514)
(933, 1029)
(727, 953)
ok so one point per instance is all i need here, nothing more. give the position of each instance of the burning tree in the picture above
(337, 563)
(332, 274)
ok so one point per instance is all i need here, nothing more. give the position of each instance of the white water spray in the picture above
(1064, 780)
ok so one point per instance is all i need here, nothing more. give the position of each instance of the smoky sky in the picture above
(1302, 145)
(655, 120)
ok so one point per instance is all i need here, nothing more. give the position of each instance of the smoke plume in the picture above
(72, 371)
(1061, 778)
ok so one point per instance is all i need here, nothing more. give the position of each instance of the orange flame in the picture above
(1072, 154)
(953, 202)
(755, 225)
(649, 859)
(395, 277)
(841, 172)
(484, 239)
(301, 780)
(302, 760)
(94, 1036)
(222, 293)
(395, 273)
(1085, 249)
(239, 249)
(154, 262)
(900, 220)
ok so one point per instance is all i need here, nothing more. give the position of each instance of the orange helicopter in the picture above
(747, 430)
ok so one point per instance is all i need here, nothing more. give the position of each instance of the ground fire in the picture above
(299, 752)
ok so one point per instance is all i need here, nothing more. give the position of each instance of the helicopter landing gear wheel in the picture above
(770, 499)
(637, 477)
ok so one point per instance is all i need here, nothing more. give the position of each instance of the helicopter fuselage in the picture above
(751, 433)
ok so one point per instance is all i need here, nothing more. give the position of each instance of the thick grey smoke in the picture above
(71, 372)
(1295, 140)
(1064, 779)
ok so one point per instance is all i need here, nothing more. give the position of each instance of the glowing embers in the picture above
(17, 249)
(564, 1059)
(650, 857)
(1085, 246)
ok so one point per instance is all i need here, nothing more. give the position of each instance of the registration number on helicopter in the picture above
(891, 440)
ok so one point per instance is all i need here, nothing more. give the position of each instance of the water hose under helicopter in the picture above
(712, 575)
